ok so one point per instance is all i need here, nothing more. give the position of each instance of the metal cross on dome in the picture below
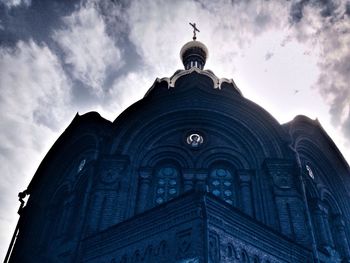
(195, 29)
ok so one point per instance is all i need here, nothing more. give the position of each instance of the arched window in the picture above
(166, 184)
(222, 184)
(62, 210)
(77, 208)
(136, 257)
(163, 249)
(148, 256)
(256, 259)
(231, 252)
(244, 257)
(124, 259)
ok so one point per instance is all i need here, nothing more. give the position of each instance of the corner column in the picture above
(245, 190)
(144, 184)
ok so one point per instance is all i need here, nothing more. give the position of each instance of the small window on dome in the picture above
(81, 165)
(309, 170)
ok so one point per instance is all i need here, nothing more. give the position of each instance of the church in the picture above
(192, 173)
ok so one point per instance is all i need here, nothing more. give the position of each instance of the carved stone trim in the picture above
(112, 168)
(281, 172)
(178, 74)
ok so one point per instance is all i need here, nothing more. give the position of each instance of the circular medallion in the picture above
(194, 140)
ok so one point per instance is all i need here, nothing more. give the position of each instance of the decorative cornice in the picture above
(180, 73)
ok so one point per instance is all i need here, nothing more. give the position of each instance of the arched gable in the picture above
(219, 131)
(191, 104)
(326, 175)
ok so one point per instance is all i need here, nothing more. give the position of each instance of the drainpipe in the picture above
(308, 214)
(206, 228)
(21, 195)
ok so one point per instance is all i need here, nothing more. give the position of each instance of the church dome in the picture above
(194, 158)
(194, 54)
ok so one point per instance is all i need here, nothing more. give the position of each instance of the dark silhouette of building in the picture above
(193, 172)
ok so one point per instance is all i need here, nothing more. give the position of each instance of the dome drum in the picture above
(194, 54)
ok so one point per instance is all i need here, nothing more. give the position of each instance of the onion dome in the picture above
(194, 54)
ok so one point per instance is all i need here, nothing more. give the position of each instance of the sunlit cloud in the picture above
(34, 98)
(88, 51)
(291, 57)
(16, 3)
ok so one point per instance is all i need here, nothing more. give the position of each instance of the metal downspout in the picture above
(308, 214)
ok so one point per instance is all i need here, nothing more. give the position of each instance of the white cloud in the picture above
(35, 90)
(326, 25)
(229, 30)
(33, 85)
(87, 48)
(16, 3)
(128, 89)
(159, 29)
(34, 101)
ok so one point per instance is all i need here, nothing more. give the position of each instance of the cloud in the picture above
(325, 25)
(34, 105)
(296, 10)
(324, 8)
(15, 3)
(347, 8)
(32, 82)
(124, 91)
(159, 29)
(103, 55)
(89, 52)
(321, 24)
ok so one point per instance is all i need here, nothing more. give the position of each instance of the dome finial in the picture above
(194, 53)
(195, 29)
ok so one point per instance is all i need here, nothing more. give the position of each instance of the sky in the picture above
(61, 57)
